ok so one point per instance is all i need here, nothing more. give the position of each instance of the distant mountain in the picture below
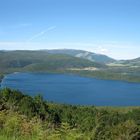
(72, 61)
(132, 62)
(41, 61)
(84, 54)
(135, 62)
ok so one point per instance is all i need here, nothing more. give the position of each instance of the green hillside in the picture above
(132, 62)
(99, 58)
(31, 118)
(40, 61)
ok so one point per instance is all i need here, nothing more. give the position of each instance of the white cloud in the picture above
(102, 50)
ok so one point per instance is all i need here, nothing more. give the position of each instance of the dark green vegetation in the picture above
(31, 118)
(11, 61)
(25, 118)
(67, 61)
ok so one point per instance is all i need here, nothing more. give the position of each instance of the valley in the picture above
(70, 61)
(69, 69)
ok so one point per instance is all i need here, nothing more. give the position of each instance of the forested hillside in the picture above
(40, 61)
(31, 118)
(100, 58)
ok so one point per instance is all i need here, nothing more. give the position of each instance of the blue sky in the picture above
(110, 27)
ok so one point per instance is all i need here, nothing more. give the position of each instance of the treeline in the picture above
(31, 118)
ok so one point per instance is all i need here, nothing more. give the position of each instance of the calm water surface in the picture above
(71, 89)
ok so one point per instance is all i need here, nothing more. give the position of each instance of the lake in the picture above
(72, 89)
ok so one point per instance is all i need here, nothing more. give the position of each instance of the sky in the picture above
(110, 27)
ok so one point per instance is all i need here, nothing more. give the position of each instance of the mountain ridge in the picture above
(100, 58)
(41, 60)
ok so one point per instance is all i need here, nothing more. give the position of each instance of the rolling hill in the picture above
(132, 62)
(69, 61)
(99, 58)
(41, 61)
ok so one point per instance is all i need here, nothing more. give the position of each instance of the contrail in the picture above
(41, 33)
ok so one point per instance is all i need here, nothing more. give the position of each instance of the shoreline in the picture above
(1, 78)
(88, 102)
(99, 106)
(78, 73)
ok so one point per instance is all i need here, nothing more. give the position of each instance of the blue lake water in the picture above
(71, 89)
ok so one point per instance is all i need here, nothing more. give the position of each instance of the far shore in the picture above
(1, 78)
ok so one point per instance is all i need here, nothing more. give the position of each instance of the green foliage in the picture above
(25, 118)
